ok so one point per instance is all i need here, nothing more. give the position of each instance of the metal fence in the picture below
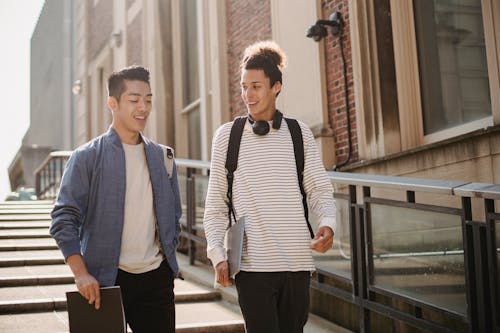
(48, 175)
(410, 251)
(415, 251)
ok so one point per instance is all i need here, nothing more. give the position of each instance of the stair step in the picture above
(25, 217)
(22, 233)
(27, 241)
(24, 211)
(31, 261)
(8, 225)
(30, 254)
(41, 270)
(40, 322)
(19, 299)
(57, 321)
(29, 247)
(33, 280)
(26, 203)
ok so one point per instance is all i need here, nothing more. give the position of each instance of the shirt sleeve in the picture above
(71, 205)
(317, 186)
(215, 219)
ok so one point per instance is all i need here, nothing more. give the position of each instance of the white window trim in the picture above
(212, 65)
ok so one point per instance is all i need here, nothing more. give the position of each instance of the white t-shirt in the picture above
(140, 248)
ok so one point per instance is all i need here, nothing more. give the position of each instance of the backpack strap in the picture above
(298, 149)
(168, 158)
(233, 150)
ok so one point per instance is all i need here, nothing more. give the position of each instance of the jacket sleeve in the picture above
(318, 187)
(216, 216)
(71, 204)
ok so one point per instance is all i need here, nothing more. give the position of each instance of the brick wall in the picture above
(335, 83)
(247, 22)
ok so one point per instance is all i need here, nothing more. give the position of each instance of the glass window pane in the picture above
(338, 259)
(452, 62)
(191, 89)
(419, 254)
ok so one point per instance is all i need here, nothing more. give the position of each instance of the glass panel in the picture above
(191, 89)
(338, 259)
(194, 137)
(201, 186)
(452, 62)
(419, 254)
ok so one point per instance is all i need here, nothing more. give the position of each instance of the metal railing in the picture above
(407, 251)
(48, 175)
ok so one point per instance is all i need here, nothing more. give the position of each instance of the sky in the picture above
(17, 22)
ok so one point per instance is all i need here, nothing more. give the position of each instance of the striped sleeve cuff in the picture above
(328, 222)
(217, 255)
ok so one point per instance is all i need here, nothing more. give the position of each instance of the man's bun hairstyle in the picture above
(268, 56)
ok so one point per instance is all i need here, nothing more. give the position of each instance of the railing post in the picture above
(191, 213)
(492, 271)
(470, 278)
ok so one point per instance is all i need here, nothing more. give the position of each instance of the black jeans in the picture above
(274, 302)
(148, 299)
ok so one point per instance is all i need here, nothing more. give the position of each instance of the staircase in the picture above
(34, 279)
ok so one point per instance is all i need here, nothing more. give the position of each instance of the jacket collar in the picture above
(115, 139)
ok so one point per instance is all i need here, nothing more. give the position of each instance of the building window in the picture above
(454, 84)
(190, 75)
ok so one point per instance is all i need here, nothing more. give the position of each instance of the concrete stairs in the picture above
(34, 279)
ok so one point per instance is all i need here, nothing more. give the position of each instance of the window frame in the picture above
(408, 75)
(391, 122)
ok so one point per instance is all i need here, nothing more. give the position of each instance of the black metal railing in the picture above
(407, 251)
(48, 175)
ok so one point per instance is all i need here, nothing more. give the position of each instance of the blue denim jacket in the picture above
(87, 218)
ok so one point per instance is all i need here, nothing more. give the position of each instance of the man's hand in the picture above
(323, 240)
(87, 285)
(222, 271)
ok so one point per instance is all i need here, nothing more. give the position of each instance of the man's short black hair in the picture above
(116, 81)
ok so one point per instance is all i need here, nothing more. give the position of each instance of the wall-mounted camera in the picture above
(318, 30)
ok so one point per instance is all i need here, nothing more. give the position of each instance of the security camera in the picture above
(316, 32)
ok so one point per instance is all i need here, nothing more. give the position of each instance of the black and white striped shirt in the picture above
(266, 192)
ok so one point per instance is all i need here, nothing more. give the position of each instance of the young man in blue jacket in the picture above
(116, 218)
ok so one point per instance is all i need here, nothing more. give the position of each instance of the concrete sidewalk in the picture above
(203, 274)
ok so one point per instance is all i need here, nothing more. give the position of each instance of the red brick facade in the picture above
(250, 21)
(247, 22)
(335, 83)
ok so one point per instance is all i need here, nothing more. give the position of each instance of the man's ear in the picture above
(276, 88)
(112, 103)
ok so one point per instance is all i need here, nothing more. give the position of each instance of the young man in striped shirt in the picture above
(273, 284)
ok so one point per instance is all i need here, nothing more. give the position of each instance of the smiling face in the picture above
(131, 111)
(258, 95)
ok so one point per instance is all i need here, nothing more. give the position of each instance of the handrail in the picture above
(48, 175)
(52, 155)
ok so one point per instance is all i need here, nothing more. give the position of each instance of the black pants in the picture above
(274, 302)
(148, 299)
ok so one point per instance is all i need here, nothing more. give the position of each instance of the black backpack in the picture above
(233, 150)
